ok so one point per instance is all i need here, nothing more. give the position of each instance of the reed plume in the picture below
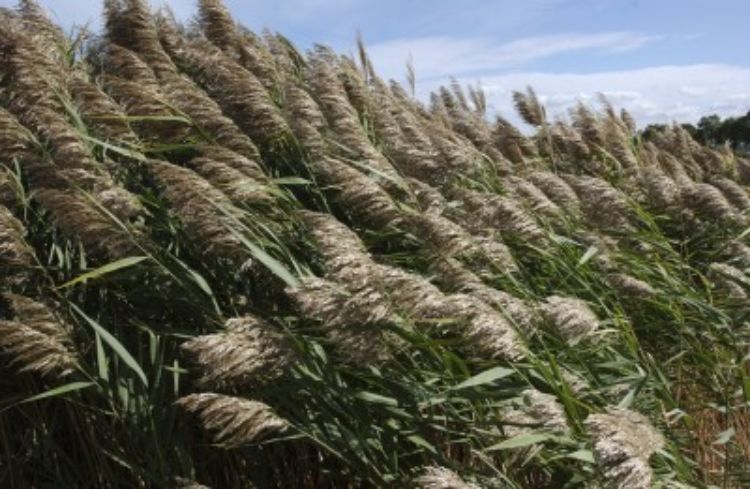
(512, 143)
(534, 198)
(502, 213)
(535, 410)
(529, 108)
(571, 317)
(199, 206)
(452, 276)
(34, 339)
(353, 320)
(729, 278)
(557, 190)
(249, 353)
(436, 477)
(232, 421)
(603, 205)
(734, 193)
(237, 91)
(16, 256)
(32, 351)
(241, 179)
(709, 202)
(623, 443)
(80, 218)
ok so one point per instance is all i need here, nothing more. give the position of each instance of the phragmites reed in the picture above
(572, 318)
(512, 143)
(623, 443)
(129, 23)
(528, 106)
(79, 217)
(232, 421)
(452, 276)
(206, 114)
(306, 120)
(410, 152)
(603, 205)
(473, 128)
(132, 83)
(36, 21)
(429, 198)
(487, 332)
(533, 197)
(355, 193)
(35, 93)
(344, 121)
(708, 202)
(730, 279)
(36, 315)
(217, 23)
(15, 255)
(347, 261)
(661, 191)
(352, 320)
(32, 351)
(734, 193)
(249, 353)
(557, 190)
(444, 237)
(239, 43)
(237, 91)
(535, 410)
(241, 179)
(34, 339)
(569, 141)
(502, 213)
(202, 208)
(739, 253)
(100, 113)
(629, 286)
(334, 239)
(589, 126)
(441, 478)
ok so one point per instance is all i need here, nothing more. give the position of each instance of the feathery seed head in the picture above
(571, 317)
(623, 442)
(232, 421)
(441, 478)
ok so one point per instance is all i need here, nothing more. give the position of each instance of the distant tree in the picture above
(713, 130)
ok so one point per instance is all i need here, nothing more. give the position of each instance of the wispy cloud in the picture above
(655, 94)
(443, 56)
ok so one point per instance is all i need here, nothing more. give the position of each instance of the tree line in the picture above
(713, 130)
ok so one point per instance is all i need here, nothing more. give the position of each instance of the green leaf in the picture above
(582, 455)
(105, 269)
(485, 377)
(116, 346)
(519, 441)
(376, 398)
(270, 262)
(590, 253)
(291, 181)
(724, 437)
(421, 442)
(58, 391)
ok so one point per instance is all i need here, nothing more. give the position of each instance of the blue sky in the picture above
(662, 59)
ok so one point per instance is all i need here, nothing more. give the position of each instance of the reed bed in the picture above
(228, 263)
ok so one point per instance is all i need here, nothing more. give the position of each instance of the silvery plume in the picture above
(624, 441)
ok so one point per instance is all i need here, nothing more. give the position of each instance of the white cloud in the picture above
(656, 94)
(443, 56)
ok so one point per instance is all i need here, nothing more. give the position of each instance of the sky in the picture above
(663, 60)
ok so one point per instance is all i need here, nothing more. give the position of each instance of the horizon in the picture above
(662, 65)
